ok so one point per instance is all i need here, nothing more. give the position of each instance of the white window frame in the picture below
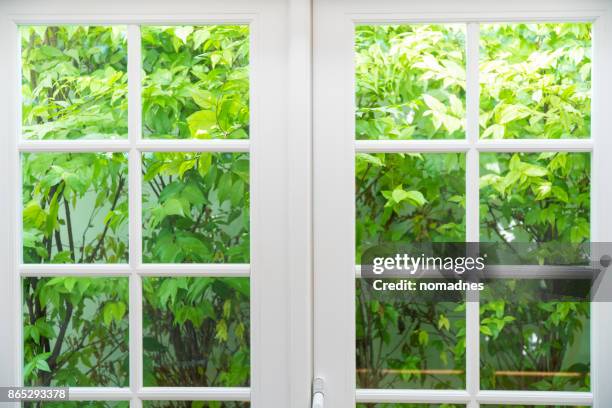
(334, 203)
(271, 381)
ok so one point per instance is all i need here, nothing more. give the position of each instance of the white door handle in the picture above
(318, 393)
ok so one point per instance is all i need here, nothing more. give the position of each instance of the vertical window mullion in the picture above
(135, 218)
(472, 343)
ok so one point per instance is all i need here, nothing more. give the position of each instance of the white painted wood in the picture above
(333, 203)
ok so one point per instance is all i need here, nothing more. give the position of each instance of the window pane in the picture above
(194, 404)
(532, 344)
(196, 332)
(196, 207)
(75, 207)
(410, 81)
(535, 80)
(407, 343)
(528, 343)
(409, 198)
(535, 197)
(75, 331)
(196, 83)
(74, 82)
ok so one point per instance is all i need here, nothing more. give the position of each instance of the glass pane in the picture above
(527, 343)
(409, 198)
(535, 80)
(196, 82)
(74, 82)
(75, 331)
(410, 81)
(531, 344)
(195, 207)
(194, 404)
(75, 207)
(535, 197)
(401, 342)
(196, 332)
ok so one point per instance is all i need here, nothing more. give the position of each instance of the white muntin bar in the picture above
(196, 393)
(472, 354)
(412, 396)
(535, 397)
(210, 270)
(135, 219)
(148, 145)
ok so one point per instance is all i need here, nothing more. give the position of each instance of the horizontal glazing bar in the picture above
(215, 145)
(413, 396)
(461, 397)
(502, 145)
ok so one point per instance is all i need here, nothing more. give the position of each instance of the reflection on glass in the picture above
(535, 80)
(74, 82)
(75, 331)
(75, 207)
(410, 81)
(196, 82)
(196, 332)
(195, 207)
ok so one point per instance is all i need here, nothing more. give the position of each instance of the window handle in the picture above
(318, 393)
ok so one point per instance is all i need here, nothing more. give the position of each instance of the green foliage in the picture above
(535, 80)
(196, 207)
(75, 331)
(74, 82)
(196, 332)
(410, 81)
(535, 197)
(409, 198)
(196, 82)
(75, 207)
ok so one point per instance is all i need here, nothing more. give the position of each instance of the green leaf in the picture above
(201, 123)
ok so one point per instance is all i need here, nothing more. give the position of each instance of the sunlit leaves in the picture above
(74, 82)
(410, 81)
(196, 83)
(535, 80)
